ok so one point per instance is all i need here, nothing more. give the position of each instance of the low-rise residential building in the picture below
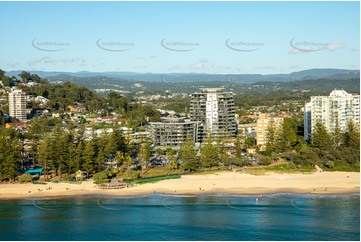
(32, 84)
(17, 125)
(122, 121)
(41, 100)
(76, 108)
(40, 111)
(89, 133)
(249, 130)
(171, 132)
(166, 112)
(92, 118)
(251, 151)
(139, 137)
(106, 119)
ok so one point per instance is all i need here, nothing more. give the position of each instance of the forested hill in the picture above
(333, 74)
(315, 80)
(317, 85)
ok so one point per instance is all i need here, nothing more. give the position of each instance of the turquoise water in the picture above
(162, 217)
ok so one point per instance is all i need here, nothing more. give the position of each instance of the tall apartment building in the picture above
(215, 109)
(264, 122)
(171, 132)
(17, 104)
(339, 108)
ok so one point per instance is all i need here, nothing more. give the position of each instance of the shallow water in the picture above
(165, 217)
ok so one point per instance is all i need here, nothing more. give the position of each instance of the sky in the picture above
(179, 37)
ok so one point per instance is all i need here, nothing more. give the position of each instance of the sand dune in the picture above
(220, 183)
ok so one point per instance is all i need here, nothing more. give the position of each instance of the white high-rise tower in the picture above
(338, 108)
(17, 104)
(215, 109)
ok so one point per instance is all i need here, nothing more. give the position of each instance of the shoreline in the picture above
(222, 183)
(355, 191)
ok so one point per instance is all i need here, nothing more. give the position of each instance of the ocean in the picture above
(166, 217)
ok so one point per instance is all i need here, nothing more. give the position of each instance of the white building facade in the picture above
(338, 108)
(17, 105)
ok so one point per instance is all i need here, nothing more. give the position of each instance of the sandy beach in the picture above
(220, 183)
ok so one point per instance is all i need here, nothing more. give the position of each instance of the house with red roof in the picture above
(16, 125)
(106, 119)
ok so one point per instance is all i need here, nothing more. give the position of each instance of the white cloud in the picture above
(38, 60)
(197, 66)
(310, 49)
(296, 51)
(139, 67)
(203, 60)
(201, 64)
(13, 65)
(264, 67)
(238, 69)
(294, 67)
(144, 57)
(176, 68)
(336, 46)
(49, 60)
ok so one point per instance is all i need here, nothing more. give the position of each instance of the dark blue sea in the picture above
(164, 217)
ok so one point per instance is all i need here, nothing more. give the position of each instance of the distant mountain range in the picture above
(331, 74)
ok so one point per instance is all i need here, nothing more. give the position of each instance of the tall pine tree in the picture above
(321, 138)
(209, 154)
(187, 154)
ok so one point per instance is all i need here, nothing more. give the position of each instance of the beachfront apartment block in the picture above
(264, 123)
(172, 132)
(338, 108)
(214, 109)
(17, 104)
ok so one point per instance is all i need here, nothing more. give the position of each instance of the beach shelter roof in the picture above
(32, 171)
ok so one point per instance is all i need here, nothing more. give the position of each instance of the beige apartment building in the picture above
(263, 123)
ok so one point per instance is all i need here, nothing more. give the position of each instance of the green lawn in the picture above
(279, 168)
(154, 179)
(160, 171)
(343, 167)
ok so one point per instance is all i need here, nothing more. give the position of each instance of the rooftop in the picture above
(339, 93)
(212, 90)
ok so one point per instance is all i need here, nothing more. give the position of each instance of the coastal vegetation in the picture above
(25, 178)
(62, 147)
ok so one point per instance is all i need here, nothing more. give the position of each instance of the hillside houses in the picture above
(76, 108)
